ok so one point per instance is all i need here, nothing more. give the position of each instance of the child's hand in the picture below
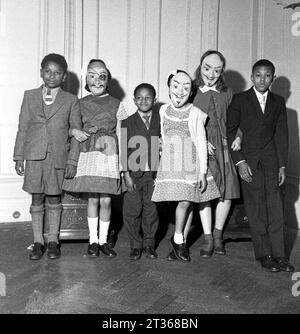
(281, 176)
(70, 171)
(236, 145)
(80, 135)
(202, 182)
(210, 148)
(93, 129)
(19, 167)
(245, 171)
(129, 182)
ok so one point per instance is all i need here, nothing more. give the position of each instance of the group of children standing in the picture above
(179, 154)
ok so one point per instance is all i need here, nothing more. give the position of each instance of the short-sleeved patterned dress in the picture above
(184, 156)
(98, 164)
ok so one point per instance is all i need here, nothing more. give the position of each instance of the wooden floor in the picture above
(77, 284)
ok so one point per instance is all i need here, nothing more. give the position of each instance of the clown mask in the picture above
(211, 69)
(180, 89)
(97, 78)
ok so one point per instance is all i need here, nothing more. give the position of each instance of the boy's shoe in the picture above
(93, 250)
(37, 251)
(135, 254)
(111, 239)
(284, 265)
(172, 256)
(268, 264)
(150, 253)
(107, 250)
(53, 250)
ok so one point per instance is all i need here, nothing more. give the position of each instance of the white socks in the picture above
(93, 229)
(178, 238)
(103, 232)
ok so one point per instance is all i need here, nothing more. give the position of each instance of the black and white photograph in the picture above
(149, 160)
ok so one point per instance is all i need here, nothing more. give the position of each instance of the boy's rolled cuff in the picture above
(72, 162)
(238, 163)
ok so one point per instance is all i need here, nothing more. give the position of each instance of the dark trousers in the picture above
(263, 205)
(140, 213)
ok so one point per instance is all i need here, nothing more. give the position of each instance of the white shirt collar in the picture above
(149, 113)
(260, 95)
(205, 89)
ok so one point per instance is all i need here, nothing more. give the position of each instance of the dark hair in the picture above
(145, 85)
(221, 85)
(55, 58)
(264, 62)
(86, 87)
(173, 74)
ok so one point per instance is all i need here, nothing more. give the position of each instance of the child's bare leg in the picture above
(222, 211)
(180, 219)
(177, 242)
(105, 214)
(172, 256)
(206, 218)
(188, 223)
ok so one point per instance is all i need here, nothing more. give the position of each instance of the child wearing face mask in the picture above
(183, 175)
(214, 97)
(98, 166)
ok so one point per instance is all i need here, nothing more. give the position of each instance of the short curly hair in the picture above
(55, 58)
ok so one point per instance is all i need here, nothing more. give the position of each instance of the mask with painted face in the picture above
(211, 69)
(97, 78)
(180, 89)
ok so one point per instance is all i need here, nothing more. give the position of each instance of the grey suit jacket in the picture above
(36, 130)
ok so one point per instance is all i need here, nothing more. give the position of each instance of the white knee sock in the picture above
(93, 229)
(178, 238)
(103, 232)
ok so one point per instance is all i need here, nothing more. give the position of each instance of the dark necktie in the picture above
(147, 123)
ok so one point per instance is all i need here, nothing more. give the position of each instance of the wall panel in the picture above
(141, 41)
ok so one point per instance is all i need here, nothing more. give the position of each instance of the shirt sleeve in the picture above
(198, 135)
(122, 112)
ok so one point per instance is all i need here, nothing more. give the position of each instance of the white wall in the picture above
(140, 40)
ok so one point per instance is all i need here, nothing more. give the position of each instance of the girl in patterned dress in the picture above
(183, 175)
(98, 165)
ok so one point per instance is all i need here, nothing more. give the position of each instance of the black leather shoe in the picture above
(180, 251)
(53, 250)
(150, 253)
(284, 265)
(107, 250)
(111, 239)
(135, 254)
(269, 264)
(37, 251)
(93, 250)
(172, 256)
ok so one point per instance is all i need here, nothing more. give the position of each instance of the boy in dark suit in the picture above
(261, 162)
(47, 114)
(140, 157)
